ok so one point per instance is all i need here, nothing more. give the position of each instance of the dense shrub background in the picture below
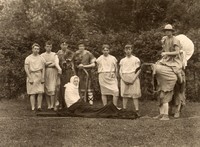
(115, 22)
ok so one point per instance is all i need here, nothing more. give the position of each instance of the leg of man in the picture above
(52, 97)
(104, 99)
(136, 104)
(161, 110)
(125, 100)
(166, 111)
(115, 99)
(48, 101)
(39, 101)
(32, 100)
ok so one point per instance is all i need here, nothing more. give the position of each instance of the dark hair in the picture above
(105, 46)
(48, 42)
(81, 42)
(128, 46)
(35, 44)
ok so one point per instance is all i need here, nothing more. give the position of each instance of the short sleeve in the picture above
(98, 60)
(115, 60)
(120, 62)
(27, 61)
(92, 58)
(138, 62)
(56, 59)
(59, 54)
(176, 42)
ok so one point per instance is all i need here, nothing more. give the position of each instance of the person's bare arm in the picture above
(116, 71)
(91, 65)
(28, 74)
(121, 76)
(43, 74)
(48, 63)
(176, 52)
(56, 64)
(135, 76)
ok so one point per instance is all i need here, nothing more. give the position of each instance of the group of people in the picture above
(53, 74)
(50, 72)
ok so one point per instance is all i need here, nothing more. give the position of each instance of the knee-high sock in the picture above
(90, 96)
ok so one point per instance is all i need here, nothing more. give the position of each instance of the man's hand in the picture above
(80, 66)
(30, 81)
(163, 54)
(127, 83)
(48, 63)
(60, 71)
(42, 81)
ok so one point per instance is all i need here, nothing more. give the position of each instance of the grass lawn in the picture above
(20, 127)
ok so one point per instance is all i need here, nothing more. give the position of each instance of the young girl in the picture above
(51, 74)
(35, 70)
(107, 69)
(130, 83)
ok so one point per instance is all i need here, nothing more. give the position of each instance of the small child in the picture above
(130, 82)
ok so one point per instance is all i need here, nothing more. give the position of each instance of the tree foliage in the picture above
(115, 22)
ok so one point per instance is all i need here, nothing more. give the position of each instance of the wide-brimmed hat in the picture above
(168, 27)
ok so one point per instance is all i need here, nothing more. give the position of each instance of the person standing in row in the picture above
(107, 69)
(51, 74)
(35, 71)
(84, 59)
(130, 82)
(171, 57)
(65, 61)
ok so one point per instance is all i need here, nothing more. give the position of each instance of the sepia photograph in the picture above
(99, 73)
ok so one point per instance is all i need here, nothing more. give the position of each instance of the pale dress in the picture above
(51, 73)
(128, 66)
(35, 65)
(107, 67)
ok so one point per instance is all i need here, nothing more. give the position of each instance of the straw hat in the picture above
(168, 27)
